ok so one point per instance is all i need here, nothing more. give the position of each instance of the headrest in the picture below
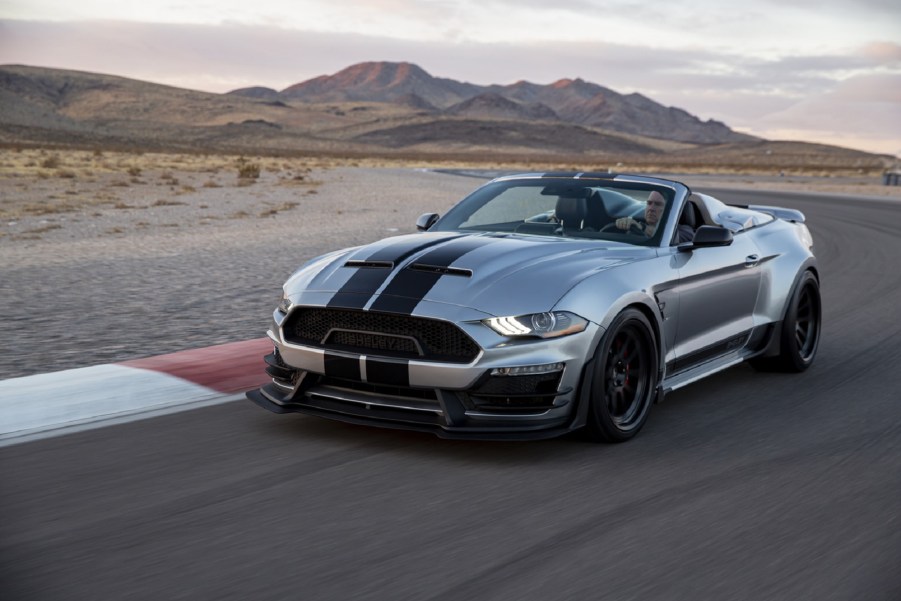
(571, 211)
(689, 216)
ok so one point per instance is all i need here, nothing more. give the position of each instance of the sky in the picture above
(819, 71)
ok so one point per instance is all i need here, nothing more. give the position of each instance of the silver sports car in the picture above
(545, 303)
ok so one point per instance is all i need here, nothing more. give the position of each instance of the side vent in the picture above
(371, 264)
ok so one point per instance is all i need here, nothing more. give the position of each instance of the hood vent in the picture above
(371, 264)
(466, 273)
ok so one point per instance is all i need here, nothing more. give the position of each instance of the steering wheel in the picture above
(634, 227)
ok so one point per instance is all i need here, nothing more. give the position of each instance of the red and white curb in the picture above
(55, 403)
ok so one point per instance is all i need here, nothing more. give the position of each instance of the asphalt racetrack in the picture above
(743, 486)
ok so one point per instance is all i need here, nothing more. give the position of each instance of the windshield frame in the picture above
(673, 192)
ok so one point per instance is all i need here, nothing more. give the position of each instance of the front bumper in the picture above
(400, 417)
(450, 400)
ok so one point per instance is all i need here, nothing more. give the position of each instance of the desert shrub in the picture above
(272, 211)
(51, 162)
(248, 170)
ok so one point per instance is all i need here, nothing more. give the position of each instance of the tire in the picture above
(800, 334)
(624, 379)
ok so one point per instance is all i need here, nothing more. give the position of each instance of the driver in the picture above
(652, 212)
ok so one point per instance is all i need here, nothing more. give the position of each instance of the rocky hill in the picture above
(494, 106)
(381, 82)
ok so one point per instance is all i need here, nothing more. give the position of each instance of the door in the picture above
(717, 292)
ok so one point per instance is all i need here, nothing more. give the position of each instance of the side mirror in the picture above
(425, 221)
(707, 236)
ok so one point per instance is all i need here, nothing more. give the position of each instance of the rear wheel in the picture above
(624, 379)
(800, 335)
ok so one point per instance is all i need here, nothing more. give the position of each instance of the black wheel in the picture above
(800, 335)
(624, 380)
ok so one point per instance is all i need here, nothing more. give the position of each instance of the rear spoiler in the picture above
(778, 212)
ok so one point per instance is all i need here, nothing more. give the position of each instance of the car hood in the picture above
(495, 274)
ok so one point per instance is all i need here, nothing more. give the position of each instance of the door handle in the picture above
(752, 260)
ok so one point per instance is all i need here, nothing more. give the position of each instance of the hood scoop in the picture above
(441, 269)
(371, 264)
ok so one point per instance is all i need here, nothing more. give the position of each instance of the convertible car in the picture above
(542, 304)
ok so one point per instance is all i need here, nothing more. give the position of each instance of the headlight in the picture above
(285, 305)
(542, 325)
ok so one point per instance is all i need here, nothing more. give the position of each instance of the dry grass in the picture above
(44, 229)
(274, 210)
(94, 174)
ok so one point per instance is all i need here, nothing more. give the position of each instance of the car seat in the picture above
(571, 212)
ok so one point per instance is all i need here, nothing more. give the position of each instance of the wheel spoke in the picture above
(632, 356)
(618, 355)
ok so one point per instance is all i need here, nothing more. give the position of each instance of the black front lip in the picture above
(271, 398)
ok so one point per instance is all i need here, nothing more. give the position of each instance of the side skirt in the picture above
(717, 358)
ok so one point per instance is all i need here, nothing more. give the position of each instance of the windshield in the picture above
(596, 209)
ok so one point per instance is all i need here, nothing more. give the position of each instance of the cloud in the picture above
(861, 112)
(887, 53)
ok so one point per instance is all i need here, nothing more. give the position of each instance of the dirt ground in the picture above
(62, 207)
(58, 205)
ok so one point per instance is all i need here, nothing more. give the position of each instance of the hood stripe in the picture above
(356, 292)
(410, 286)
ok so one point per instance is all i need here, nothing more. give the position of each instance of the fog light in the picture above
(527, 370)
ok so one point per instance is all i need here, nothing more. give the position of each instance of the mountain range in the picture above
(382, 109)
(568, 100)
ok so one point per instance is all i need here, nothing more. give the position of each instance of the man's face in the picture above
(654, 208)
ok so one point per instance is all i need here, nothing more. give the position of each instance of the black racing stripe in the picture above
(355, 293)
(344, 300)
(414, 285)
(411, 285)
(342, 367)
(394, 373)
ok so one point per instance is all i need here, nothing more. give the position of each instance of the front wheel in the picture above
(624, 380)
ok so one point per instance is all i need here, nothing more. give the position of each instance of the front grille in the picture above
(401, 346)
(380, 334)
